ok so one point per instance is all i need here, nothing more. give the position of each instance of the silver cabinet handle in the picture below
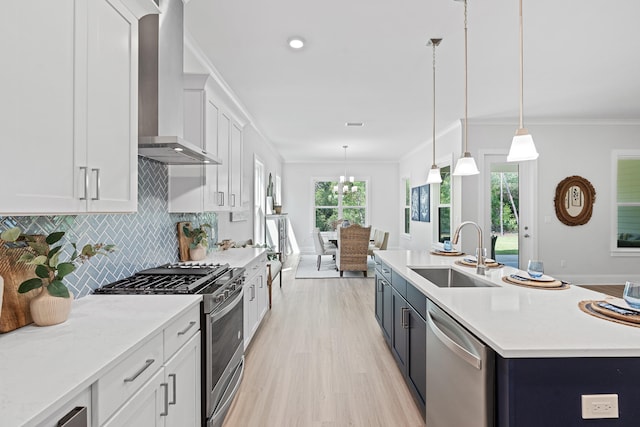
(132, 378)
(385, 270)
(184, 331)
(97, 171)
(86, 182)
(233, 200)
(405, 322)
(253, 292)
(166, 399)
(220, 198)
(458, 350)
(173, 379)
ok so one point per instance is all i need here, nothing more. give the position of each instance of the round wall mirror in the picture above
(574, 200)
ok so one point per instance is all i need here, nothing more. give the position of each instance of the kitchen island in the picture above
(548, 353)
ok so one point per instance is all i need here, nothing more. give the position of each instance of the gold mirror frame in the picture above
(574, 200)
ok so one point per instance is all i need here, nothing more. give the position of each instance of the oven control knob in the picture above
(227, 293)
(220, 298)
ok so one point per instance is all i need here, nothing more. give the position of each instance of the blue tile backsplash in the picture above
(143, 239)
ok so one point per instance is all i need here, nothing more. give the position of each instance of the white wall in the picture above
(384, 198)
(416, 166)
(582, 149)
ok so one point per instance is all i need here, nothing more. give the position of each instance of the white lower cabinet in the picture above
(159, 384)
(82, 399)
(256, 297)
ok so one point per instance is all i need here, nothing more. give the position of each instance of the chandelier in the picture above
(345, 184)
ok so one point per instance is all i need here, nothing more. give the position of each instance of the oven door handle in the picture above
(217, 315)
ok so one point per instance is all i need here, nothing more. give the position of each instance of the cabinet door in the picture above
(262, 297)
(37, 83)
(111, 107)
(399, 336)
(417, 351)
(212, 199)
(146, 407)
(182, 374)
(186, 182)
(387, 314)
(224, 141)
(250, 311)
(236, 167)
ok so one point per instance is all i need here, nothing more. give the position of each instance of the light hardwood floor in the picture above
(319, 359)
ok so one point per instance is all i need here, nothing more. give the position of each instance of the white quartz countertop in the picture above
(519, 322)
(235, 257)
(43, 367)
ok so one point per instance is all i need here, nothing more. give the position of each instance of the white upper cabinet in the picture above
(208, 123)
(69, 106)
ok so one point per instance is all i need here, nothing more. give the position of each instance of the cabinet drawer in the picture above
(179, 332)
(256, 266)
(386, 271)
(417, 300)
(121, 382)
(398, 282)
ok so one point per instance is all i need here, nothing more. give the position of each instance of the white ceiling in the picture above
(367, 60)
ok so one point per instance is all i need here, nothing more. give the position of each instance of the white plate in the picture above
(620, 303)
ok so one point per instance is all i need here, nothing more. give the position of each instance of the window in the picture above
(627, 203)
(330, 206)
(444, 205)
(407, 206)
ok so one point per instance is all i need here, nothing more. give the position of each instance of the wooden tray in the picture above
(592, 308)
(447, 253)
(551, 286)
(465, 263)
(15, 307)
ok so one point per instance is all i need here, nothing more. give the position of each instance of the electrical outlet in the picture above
(599, 406)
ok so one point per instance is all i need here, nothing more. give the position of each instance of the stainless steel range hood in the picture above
(160, 88)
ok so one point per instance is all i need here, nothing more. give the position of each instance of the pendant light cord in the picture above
(434, 102)
(521, 69)
(466, 90)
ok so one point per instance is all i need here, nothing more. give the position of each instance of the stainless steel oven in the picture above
(221, 323)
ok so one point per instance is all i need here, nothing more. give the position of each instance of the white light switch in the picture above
(599, 406)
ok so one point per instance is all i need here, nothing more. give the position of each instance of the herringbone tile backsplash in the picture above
(143, 239)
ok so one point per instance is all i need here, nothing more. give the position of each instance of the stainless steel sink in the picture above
(450, 278)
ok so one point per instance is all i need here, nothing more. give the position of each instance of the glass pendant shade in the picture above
(522, 147)
(434, 175)
(466, 166)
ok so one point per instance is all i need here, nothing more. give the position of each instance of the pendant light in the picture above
(522, 146)
(346, 185)
(434, 173)
(465, 165)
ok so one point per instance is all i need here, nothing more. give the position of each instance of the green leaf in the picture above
(39, 260)
(75, 252)
(65, 268)
(88, 251)
(29, 285)
(58, 289)
(42, 271)
(26, 258)
(54, 237)
(11, 235)
(186, 231)
(40, 248)
(54, 251)
(53, 260)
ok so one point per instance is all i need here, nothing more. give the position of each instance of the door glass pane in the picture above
(505, 202)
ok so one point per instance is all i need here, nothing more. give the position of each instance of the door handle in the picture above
(526, 236)
(86, 182)
(133, 377)
(97, 171)
(165, 386)
(405, 322)
(456, 348)
(184, 331)
(173, 380)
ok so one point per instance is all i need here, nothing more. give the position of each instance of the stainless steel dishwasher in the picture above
(460, 374)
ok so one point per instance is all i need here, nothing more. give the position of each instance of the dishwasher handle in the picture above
(456, 348)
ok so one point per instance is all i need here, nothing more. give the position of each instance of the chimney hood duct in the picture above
(160, 89)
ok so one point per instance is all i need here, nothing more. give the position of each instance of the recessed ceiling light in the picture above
(296, 43)
(354, 124)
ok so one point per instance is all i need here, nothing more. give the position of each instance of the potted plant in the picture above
(199, 241)
(53, 304)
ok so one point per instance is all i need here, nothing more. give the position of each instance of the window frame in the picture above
(340, 205)
(406, 205)
(438, 204)
(617, 155)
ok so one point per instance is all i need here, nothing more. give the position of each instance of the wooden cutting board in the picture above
(15, 307)
(183, 241)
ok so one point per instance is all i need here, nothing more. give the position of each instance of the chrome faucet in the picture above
(481, 267)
